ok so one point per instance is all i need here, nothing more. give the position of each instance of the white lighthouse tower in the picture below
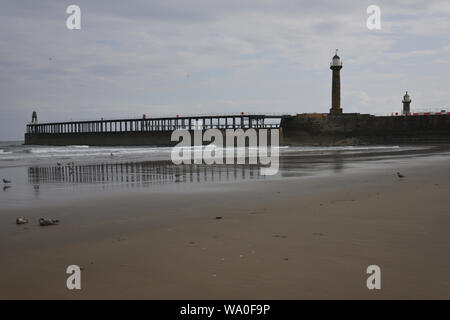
(406, 104)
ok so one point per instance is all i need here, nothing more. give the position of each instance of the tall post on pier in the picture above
(336, 66)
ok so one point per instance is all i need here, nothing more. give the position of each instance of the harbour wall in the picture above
(346, 129)
(153, 138)
(135, 138)
(365, 129)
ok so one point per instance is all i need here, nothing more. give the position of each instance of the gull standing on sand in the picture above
(48, 222)
(21, 220)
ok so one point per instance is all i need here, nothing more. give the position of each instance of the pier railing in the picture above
(159, 124)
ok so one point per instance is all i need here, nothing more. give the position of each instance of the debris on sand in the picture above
(48, 222)
(21, 220)
(400, 175)
(279, 236)
(318, 234)
(218, 218)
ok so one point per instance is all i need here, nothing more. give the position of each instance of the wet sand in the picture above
(286, 239)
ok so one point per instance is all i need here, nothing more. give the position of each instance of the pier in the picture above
(140, 131)
(158, 124)
(301, 129)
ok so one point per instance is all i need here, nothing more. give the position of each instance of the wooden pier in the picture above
(157, 124)
(141, 131)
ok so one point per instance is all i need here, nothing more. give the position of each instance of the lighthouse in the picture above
(34, 117)
(336, 66)
(406, 104)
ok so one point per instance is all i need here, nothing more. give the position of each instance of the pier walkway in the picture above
(241, 121)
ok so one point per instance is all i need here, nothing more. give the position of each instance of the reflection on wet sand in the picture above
(140, 173)
(338, 162)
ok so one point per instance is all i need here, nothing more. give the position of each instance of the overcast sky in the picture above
(184, 57)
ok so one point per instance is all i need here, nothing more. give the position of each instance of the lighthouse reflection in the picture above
(140, 174)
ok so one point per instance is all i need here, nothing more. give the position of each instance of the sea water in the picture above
(44, 175)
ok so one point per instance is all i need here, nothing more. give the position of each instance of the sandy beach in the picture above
(299, 238)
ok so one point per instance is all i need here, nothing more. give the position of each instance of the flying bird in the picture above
(6, 181)
(400, 175)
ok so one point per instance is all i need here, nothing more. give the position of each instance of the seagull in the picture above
(6, 181)
(400, 175)
(48, 222)
(21, 220)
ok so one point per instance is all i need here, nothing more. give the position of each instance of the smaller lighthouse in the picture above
(336, 66)
(406, 104)
(34, 117)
